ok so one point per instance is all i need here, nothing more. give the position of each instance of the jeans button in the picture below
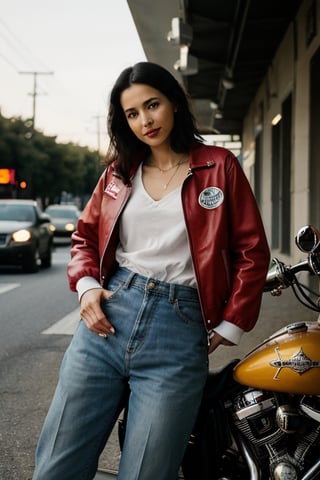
(151, 285)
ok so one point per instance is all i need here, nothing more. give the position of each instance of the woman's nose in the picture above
(147, 121)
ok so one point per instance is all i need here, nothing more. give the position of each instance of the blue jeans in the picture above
(160, 350)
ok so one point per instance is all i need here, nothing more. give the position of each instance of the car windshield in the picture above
(18, 213)
(62, 213)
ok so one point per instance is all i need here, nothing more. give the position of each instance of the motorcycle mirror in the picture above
(308, 239)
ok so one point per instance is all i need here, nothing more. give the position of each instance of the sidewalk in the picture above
(276, 312)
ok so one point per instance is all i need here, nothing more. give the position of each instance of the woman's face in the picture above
(149, 113)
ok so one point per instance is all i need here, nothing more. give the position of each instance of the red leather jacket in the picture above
(226, 236)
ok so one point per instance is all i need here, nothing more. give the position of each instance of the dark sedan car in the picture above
(64, 219)
(25, 235)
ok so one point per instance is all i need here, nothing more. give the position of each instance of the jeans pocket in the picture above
(189, 311)
(114, 285)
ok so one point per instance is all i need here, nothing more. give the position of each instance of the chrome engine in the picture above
(279, 433)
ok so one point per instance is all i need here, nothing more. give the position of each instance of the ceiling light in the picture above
(276, 119)
(213, 105)
(180, 33)
(228, 83)
(187, 64)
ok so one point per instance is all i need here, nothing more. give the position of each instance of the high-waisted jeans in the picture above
(160, 350)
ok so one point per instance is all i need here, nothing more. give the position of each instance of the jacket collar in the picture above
(202, 155)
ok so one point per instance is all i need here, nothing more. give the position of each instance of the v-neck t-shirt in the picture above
(153, 237)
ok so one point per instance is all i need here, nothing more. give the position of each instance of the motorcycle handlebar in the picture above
(281, 276)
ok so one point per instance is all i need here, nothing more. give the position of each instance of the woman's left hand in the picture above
(217, 340)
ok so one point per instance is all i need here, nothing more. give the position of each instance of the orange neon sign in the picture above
(7, 175)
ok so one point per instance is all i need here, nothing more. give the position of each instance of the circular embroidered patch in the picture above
(211, 198)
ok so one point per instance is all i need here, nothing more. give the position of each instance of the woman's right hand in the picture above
(215, 340)
(91, 312)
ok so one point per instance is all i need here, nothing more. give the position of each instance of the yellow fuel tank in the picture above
(288, 361)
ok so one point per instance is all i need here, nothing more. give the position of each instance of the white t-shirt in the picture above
(153, 238)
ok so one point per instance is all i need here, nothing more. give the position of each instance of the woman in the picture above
(169, 261)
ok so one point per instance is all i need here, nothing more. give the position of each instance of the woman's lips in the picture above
(152, 133)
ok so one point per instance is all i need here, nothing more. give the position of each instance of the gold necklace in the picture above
(161, 170)
(165, 185)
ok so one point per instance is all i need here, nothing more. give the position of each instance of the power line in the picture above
(15, 49)
(35, 92)
(19, 47)
(8, 61)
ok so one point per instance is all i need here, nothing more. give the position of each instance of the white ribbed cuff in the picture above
(85, 284)
(229, 331)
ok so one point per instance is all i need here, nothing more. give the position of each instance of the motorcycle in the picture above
(260, 416)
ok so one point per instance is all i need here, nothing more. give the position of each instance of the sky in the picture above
(78, 48)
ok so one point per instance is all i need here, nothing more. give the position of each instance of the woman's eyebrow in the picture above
(145, 104)
(152, 99)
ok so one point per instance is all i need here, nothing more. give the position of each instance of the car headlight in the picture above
(52, 228)
(21, 236)
(69, 227)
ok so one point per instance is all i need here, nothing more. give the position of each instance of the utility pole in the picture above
(35, 92)
(98, 117)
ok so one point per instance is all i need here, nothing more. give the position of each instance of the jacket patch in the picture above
(211, 197)
(112, 190)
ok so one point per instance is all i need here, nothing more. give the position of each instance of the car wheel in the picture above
(46, 261)
(32, 263)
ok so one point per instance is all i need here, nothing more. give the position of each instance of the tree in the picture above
(48, 168)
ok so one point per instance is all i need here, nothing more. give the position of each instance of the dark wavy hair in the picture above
(123, 144)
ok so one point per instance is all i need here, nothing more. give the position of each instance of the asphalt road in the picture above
(29, 360)
(37, 315)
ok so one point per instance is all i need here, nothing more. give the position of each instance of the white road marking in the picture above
(66, 326)
(6, 287)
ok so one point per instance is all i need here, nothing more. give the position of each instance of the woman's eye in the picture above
(153, 105)
(132, 115)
